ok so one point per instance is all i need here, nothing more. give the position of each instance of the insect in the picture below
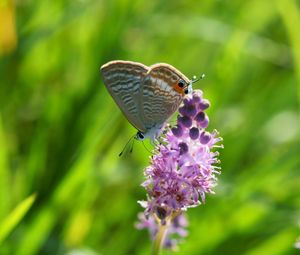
(147, 96)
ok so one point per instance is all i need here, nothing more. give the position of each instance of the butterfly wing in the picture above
(160, 94)
(123, 81)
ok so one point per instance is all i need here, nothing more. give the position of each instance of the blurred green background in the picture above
(63, 188)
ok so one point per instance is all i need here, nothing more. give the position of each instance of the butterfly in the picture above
(147, 96)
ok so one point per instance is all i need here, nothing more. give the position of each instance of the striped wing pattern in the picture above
(159, 99)
(123, 80)
(146, 95)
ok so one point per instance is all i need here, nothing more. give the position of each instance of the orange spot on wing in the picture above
(178, 89)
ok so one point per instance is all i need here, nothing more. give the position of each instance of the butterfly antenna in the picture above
(195, 79)
(131, 149)
(126, 145)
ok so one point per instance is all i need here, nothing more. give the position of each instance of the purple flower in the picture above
(182, 170)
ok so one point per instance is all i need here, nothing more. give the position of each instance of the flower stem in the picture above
(160, 238)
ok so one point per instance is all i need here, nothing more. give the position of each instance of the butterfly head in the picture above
(183, 87)
(187, 87)
(140, 136)
(151, 132)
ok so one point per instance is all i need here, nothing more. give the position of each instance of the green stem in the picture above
(160, 238)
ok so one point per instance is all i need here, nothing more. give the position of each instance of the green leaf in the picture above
(12, 220)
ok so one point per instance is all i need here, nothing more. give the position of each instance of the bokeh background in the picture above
(63, 188)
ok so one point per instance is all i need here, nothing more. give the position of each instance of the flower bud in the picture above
(194, 133)
(205, 137)
(204, 104)
(177, 131)
(185, 121)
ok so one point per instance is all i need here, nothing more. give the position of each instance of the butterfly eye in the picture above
(181, 83)
(140, 135)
